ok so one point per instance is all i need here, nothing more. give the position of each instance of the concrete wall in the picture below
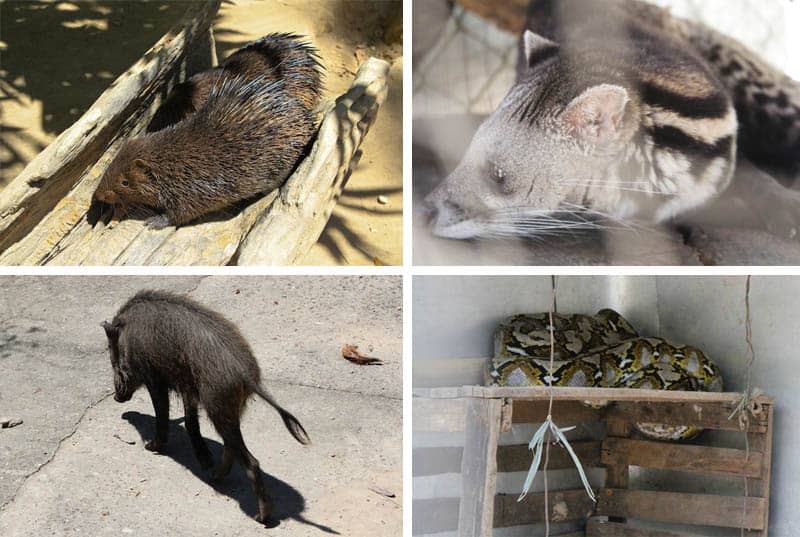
(454, 316)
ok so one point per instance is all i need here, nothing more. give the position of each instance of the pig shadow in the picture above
(288, 501)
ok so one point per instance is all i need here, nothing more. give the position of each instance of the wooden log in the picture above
(565, 505)
(601, 528)
(682, 508)
(293, 223)
(668, 456)
(518, 458)
(707, 415)
(46, 180)
(479, 468)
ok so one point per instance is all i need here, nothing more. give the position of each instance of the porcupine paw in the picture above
(158, 222)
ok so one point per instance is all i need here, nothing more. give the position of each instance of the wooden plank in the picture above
(760, 487)
(565, 413)
(601, 528)
(668, 456)
(708, 415)
(294, 222)
(438, 415)
(479, 468)
(584, 394)
(617, 475)
(518, 458)
(444, 460)
(682, 508)
(565, 505)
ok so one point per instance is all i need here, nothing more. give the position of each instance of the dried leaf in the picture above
(350, 352)
(7, 423)
(382, 492)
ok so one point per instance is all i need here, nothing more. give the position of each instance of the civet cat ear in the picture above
(538, 48)
(595, 116)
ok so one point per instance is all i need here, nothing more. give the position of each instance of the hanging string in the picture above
(553, 309)
(550, 429)
(743, 407)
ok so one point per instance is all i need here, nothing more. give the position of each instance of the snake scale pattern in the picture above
(602, 350)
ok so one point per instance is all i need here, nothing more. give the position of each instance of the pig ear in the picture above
(537, 48)
(595, 116)
(111, 328)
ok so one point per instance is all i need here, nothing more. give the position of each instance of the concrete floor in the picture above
(77, 464)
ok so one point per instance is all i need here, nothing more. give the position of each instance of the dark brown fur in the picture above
(275, 57)
(166, 342)
(230, 134)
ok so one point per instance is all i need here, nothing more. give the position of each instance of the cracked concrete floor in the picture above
(77, 464)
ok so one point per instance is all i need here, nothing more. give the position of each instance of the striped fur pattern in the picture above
(620, 112)
(603, 350)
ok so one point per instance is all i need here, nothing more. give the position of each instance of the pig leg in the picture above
(225, 468)
(201, 451)
(159, 393)
(229, 430)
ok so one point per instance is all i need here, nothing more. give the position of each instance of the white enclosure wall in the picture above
(454, 317)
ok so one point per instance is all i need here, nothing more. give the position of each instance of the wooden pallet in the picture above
(485, 412)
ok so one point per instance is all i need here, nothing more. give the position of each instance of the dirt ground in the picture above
(58, 57)
(77, 465)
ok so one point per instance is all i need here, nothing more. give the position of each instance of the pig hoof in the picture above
(263, 518)
(154, 445)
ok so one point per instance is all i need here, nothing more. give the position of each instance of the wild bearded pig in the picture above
(168, 342)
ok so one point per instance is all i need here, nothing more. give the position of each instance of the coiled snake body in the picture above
(603, 350)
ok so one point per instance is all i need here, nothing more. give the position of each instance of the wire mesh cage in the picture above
(471, 66)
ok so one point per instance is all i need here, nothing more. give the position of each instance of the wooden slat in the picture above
(564, 412)
(565, 505)
(583, 394)
(518, 458)
(760, 487)
(682, 508)
(707, 415)
(617, 475)
(601, 528)
(667, 456)
(479, 468)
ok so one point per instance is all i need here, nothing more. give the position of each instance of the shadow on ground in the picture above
(288, 501)
(64, 55)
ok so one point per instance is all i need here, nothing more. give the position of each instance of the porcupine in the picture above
(229, 134)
